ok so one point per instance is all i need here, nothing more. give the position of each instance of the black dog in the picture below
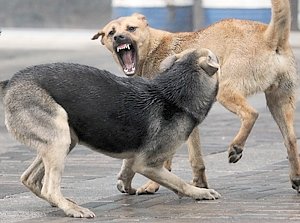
(52, 107)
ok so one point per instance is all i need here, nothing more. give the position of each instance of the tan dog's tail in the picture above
(3, 85)
(278, 31)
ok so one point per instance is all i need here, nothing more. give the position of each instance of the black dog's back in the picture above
(115, 114)
(96, 102)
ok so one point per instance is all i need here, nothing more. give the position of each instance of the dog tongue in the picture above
(128, 60)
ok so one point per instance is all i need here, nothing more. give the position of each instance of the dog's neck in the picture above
(148, 65)
(159, 48)
(180, 86)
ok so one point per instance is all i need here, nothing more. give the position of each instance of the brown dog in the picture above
(254, 58)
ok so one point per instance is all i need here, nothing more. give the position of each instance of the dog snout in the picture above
(119, 38)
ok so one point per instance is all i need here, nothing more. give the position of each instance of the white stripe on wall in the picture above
(240, 4)
(151, 3)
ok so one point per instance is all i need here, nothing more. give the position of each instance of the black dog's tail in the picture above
(3, 85)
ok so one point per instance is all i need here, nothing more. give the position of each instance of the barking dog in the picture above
(52, 107)
(254, 57)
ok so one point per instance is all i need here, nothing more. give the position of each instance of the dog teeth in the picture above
(123, 46)
(130, 70)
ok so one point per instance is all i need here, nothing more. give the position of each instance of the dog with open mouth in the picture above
(127, 55)
(52, 107)
(254, 57)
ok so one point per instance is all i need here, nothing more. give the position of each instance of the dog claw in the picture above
(149, 188)
(123, 189)
(235, 154)
(80, 212)
(142, 190)
(209, 194)
(296, 183)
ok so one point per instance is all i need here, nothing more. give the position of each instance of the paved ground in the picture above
(256, 189)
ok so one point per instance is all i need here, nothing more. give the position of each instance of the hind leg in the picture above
(282, 108)
(37, 121)
(237, 103)
(52, 145)
(33, 176)
(54, 160)
(53, 155)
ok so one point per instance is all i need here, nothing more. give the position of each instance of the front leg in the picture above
(125, 177)
(164, 177)
(196, 160)
(151, 186)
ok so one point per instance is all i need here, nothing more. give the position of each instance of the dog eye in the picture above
(111, 33)
(131, 28)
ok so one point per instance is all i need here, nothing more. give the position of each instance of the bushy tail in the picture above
(278, 31)
(2, 88)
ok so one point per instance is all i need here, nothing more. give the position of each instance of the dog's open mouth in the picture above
(127, 56)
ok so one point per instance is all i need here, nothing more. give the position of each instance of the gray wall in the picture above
(294, 9)
(64, 13)
(54, 13)
(88, 14)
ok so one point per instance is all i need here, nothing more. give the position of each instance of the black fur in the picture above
(3, 85)
(114, 113)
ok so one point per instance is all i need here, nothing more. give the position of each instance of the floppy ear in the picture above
(209, 62)
(97, 35)
(167, 63)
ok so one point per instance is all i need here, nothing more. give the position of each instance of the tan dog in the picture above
(254, 58)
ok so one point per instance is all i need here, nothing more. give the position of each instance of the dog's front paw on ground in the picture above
(79, 212)
(125, 189)
(149, 188)
(205, 194)
(235, 153)
(296, 183)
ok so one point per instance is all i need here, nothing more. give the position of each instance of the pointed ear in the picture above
(141, 17)
(167, 63)
(97, 35)
(209, 62)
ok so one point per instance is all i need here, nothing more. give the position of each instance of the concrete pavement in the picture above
(256, 189)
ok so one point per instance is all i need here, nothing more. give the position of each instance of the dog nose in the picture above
(119, 38)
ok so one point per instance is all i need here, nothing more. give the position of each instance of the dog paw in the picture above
(207, 194)
(149, 188)
(79, 212)
(123, 189)
(235, 153)
(296, 183)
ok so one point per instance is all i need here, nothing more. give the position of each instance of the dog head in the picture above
(206, 59)
(126, 37)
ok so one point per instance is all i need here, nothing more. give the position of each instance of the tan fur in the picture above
(254, 58)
